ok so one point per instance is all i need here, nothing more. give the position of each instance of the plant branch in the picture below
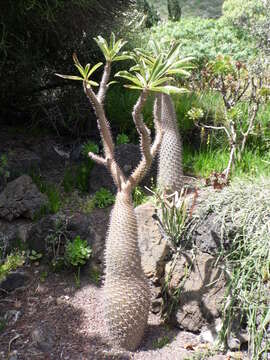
(147, 151)
(106, 138)
(104, 82)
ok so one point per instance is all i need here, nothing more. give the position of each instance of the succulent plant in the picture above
(126, 290)
(170, 173)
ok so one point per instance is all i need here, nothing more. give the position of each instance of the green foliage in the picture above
(103, 198)
(52, 193)
(4, 172)
(235, 11)
(161, 342)
(138, 196)
(204, 39)
(122, 139)
(90, 146)
(153, 69)
(55, 242)
(12, 262)
(244, 206)
(77, 252)
(34, 256)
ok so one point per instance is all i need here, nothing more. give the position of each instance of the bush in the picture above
(204, 39)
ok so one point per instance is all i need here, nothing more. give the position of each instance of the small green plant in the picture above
(43, 276)
(76, 254)
(52, 193)
(34, 256)
(95, 276)
(174, 215)
(138, 196)
(103, 198)
(161, 342)
(55, 241)
(90, 146)
(12, 262)
(4, 172)
(3, 324)
(122, 139)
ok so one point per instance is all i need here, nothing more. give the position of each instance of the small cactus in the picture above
(170, 173)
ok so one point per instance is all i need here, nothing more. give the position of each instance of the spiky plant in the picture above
(126, 290)
(170, 173)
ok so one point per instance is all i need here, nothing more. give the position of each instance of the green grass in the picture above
(245, 207)
(203, 163)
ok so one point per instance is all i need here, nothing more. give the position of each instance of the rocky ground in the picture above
(44, 315)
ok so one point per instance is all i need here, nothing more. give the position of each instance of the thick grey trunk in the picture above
(126, 291)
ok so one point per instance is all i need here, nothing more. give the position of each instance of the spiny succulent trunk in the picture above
(170, 173)
(126, 290)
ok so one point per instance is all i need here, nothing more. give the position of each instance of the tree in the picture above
(174, 10)
(238, 86)
(36, 38)
(126, 291)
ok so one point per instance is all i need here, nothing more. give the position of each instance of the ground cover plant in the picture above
(245, 207)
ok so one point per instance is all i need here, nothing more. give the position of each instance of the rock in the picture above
(154, 248)
(61, 227)
(21, 161)
(82, 225)
(21, 198)
(128, 157)
(13, 280)
(202, 290)
(43, 338)
(208, 237)
(12, 316)
(12, 233)
(49, 224)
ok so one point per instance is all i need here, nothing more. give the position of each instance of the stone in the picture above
(154, 248)
(128, 157)
(21, 160)
(43, 338)
(208, 237)
(201, 292)
(36, 239)
(21, 199)
(13, 281)
(12, 233)
(12, 316)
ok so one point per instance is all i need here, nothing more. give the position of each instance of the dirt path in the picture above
(56, 320)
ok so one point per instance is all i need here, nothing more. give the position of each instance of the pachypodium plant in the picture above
(170, 173)
(126, 290)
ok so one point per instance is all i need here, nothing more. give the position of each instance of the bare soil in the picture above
(72, 324)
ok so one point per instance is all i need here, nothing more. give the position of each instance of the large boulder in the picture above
(128, 157)
(154, 248)
(201, 289)
(21, 199)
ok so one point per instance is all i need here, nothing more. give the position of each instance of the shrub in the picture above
(245, 207)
